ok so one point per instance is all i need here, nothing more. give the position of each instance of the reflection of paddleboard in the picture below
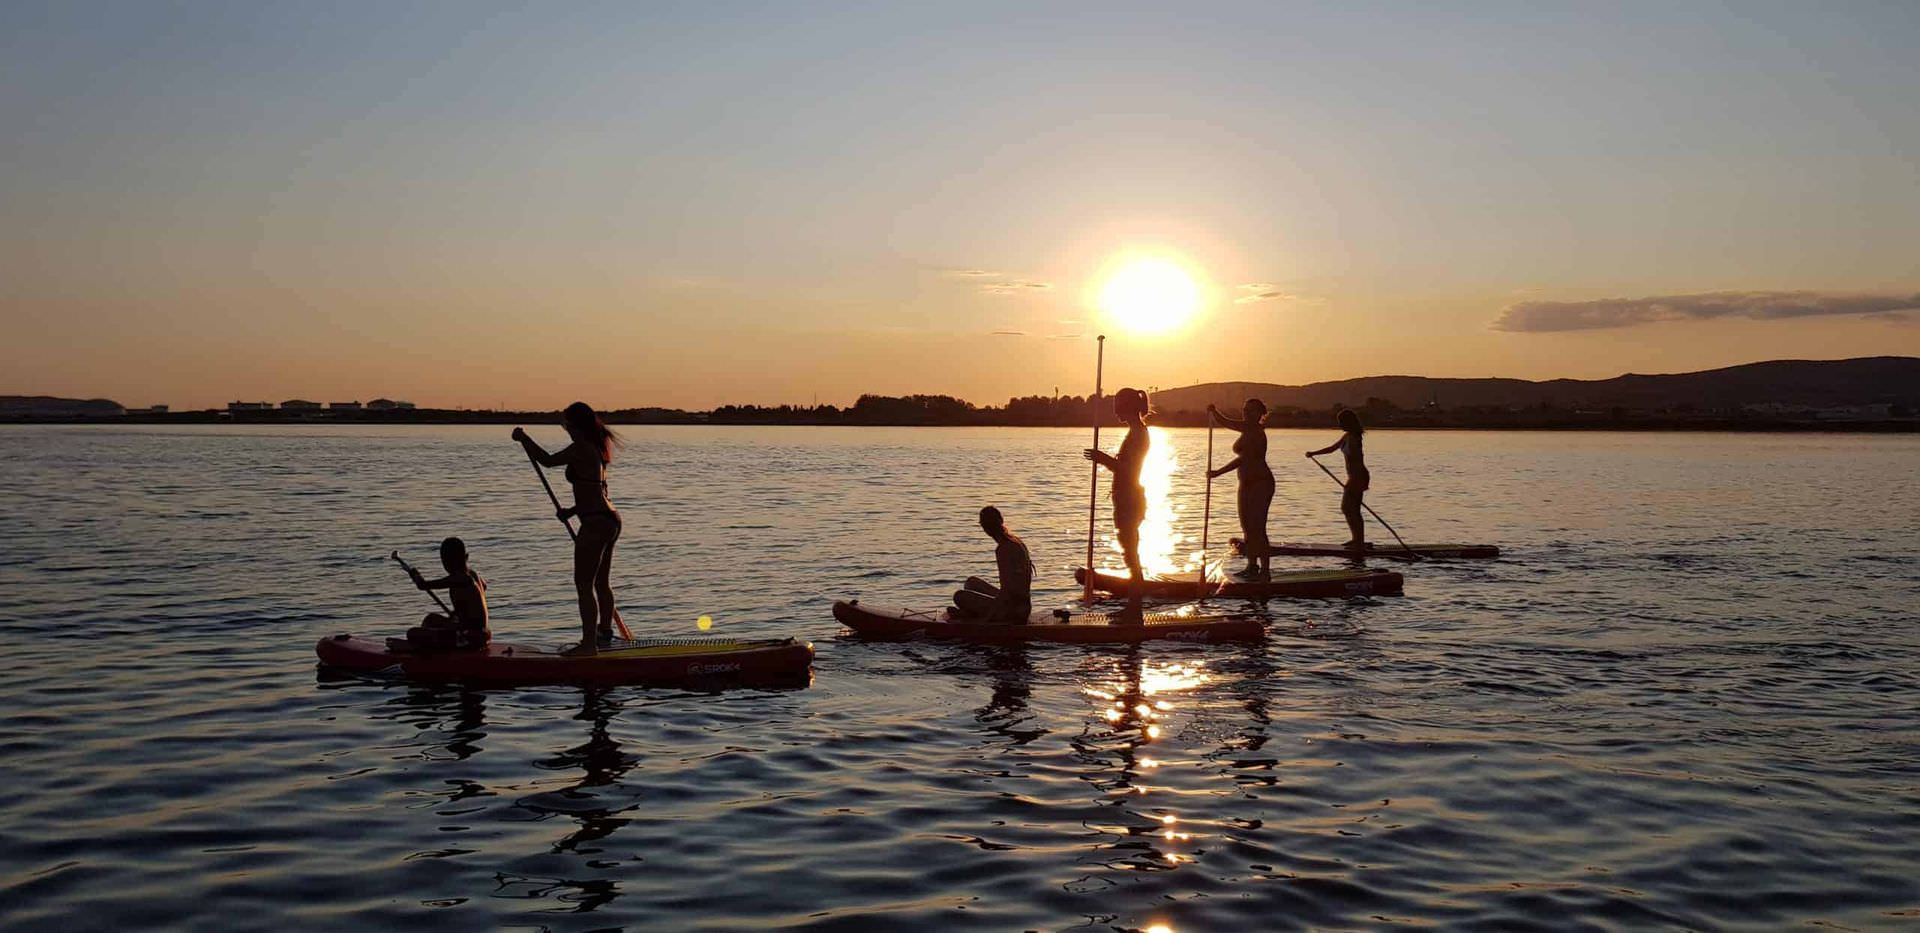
(646, 661)
(1387, 549)
(1296, 583)
(893, 624)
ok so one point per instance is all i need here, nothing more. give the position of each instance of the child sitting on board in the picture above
(467, 626)
(1012, 601)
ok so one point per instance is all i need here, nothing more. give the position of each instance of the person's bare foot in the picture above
(582, 650)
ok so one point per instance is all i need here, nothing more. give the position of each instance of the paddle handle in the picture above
(1376, 515)
(1093, 482)
(414, 573)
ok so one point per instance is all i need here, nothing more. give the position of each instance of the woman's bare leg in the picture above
(586, 565)
(603, 587)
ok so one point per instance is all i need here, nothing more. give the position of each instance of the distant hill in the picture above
(47, 406)
(1873, 380)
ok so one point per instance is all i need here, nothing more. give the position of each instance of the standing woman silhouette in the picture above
(1358, 478)
(1129, 497)
(586, 460)
(1256, 483)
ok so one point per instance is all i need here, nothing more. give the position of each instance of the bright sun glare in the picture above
(1150, 296)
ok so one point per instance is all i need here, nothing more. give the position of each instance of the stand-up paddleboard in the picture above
(1389, 550)
(1290, 583)
(645, 661)
(1060, 625)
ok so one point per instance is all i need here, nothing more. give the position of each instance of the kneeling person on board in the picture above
(1012, 601)
(467, 627)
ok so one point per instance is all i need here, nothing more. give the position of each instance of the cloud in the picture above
(969, 273)
(1009, 333)
(1264, 296)
(1549, 316)
(1009, 288)
(1065, 336)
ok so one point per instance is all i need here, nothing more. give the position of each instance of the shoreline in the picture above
(1528, 421)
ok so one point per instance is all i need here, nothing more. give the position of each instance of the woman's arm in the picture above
(1101, 457)
(539, 454)
(1336, 445)
(1230, 466)
(1238, 424)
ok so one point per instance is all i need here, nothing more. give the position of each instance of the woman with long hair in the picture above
(1358, 479)
(1129, 496)
(585, 460)
(1256, 483)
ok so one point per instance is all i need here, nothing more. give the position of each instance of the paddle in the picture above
(1411, 553)
(571, 535)
(1206, 510)
(415, 574)
(1093, 490)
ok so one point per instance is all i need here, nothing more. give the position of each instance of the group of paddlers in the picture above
(1011, 601)
(591, 446)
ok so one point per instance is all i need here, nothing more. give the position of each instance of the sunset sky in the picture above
(647, 204)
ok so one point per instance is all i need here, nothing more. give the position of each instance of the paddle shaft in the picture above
(1376, 515)
(1093, 490)
(571, 534)
(414, 573)
(1206, 510)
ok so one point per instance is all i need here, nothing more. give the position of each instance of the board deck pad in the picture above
(1390, 550)
(1306, 584)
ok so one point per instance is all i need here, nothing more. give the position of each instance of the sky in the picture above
(689, 204)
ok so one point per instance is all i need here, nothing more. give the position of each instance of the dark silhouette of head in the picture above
(584, 426)
(1255, 411)
(1350, 420)
(993, 523)
(453, 555)
(1131, 404)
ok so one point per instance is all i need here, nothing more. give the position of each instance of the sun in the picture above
(1150, 295)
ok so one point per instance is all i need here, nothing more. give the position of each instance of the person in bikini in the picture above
(1358, 479)
(585, 460)
(1012, 601)
(1129, 496)
(1256, 483)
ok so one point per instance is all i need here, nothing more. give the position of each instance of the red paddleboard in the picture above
(892, 624)
(1289, 583)
(1391, 550)
(648, 661)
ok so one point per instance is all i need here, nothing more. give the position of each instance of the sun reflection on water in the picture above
(1160, 544)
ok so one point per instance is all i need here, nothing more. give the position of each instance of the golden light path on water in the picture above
(1134, 705)
(1160, 543)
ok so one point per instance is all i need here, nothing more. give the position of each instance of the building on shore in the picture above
(343, 406)
(249, 406)
(387, 404)
(299, 404)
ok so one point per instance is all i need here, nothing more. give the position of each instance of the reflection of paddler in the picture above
(1129, 496)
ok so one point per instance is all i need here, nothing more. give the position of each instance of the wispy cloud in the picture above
(1009, 333)
(1255, 292)
(1549, 316)
(1065, 336)
(971, 273)
(1010, 288)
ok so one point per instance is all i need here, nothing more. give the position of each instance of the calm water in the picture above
(1688, 697)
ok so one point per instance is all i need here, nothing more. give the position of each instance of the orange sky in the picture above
(688, 207)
